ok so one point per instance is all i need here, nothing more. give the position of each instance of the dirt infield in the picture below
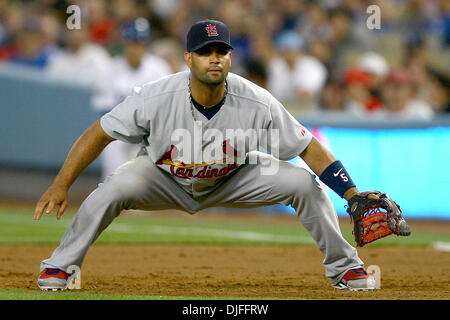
(293, 272)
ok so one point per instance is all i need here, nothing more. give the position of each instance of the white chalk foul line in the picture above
(216, 233)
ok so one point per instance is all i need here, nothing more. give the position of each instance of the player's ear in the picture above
(188, 59)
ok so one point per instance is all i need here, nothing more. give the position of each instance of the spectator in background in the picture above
(239, 19)
(163, 8)
(261, 48)
(444, 9)
(11, 21)
(293, 76)
(332, 98)
(187, 12)
(414, 21)
(359, 99)
(122, 10)
(256, 72)
(28, 45)
(321, 50)
(343, 39)
(439, 93)
(426, 84)
(315, 25)
(135, 68)
(80, 60)
(2, 36)
(101, 25)
(5, 50)
(290, 12)
(377, 68)
(398, 101)
(171, 51)
(51, 29)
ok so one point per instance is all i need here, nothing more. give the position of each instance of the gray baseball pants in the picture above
(140, 184)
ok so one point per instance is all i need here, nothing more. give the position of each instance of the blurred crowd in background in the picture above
(313, 56)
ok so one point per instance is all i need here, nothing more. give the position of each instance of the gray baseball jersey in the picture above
(160, 112)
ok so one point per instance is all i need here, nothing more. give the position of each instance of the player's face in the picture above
(210, 64)
(134, 52)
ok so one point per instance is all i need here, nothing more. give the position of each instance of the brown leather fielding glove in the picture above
(375, 218)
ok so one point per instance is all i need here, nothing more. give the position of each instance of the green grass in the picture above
(17, 226)
(20, 294)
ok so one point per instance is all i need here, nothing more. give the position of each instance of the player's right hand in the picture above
(54, 196)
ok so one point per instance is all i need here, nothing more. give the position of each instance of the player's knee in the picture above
(124, 187)
(310, 187)
(301, 183)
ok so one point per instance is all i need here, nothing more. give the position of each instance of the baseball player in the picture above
(184, 120)
(134, 68)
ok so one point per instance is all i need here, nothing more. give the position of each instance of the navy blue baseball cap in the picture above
(205, 32)
(137, 30)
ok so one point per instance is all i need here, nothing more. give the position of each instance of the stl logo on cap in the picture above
(212, 30)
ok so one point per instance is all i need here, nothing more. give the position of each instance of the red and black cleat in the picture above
(356, 280)
(52, 279)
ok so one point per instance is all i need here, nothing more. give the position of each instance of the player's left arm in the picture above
(366, 209)
(323, 163)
